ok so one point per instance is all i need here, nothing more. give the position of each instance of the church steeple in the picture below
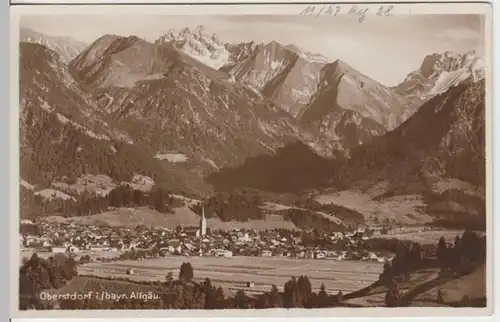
(203, 222)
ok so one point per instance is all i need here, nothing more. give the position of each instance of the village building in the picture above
(193, 231)
(319, 255)
(73, 249)
(336, 235)
(58, 249)
(266, 253)
(99, 247)
(43, 249)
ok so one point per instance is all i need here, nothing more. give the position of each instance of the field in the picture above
(473, 285)
(132, 217)
(428, 237)
(403, 209)
(233, 273)
(408, 205)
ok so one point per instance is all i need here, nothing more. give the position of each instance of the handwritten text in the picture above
(357, 11)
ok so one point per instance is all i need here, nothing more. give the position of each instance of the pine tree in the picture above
(189, 272)
(392, 295)
(457, 254)
(339, 296)
(182, 272)
(386, 275)
(219, 299)
(416, 254)
(304, 290)
(440, 296)
(169, 278)
(322, 297)
(274, 300)
(209, 291)
(442, 252)
(240, 299)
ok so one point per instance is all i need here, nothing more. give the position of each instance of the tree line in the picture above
(461, 258)
(86, 203)
(36, 274)
(232, 207)
(347, 215)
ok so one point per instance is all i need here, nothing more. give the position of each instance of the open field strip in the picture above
(426, 237)
(235, 272)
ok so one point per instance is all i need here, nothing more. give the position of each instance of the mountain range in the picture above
(197, 115)
(66, 47)
(439, 72)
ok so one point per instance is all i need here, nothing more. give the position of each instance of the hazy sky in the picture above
(384, 48)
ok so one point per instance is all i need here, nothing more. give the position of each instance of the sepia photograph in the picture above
(331, 157)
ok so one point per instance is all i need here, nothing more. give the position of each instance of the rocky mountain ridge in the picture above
(66, 47)
(175, 104)
(439, 72)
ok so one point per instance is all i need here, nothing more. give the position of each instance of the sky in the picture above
(383, 48)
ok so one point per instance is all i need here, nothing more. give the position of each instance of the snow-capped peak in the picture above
(202, 45)
(200, 29)
(447, 61)
(441, 71)
(311, 57)
(185, 32)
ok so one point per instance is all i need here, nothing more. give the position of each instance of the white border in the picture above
(436, 8)
(244, 2)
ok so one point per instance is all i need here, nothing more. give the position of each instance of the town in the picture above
(114, 243)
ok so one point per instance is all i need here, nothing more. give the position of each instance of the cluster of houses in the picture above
(62, 237)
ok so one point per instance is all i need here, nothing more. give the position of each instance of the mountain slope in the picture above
(174, 104)
(446, 136)
(439, 72)
(273, 69)
(429, 168)
(66, 47)
(64, 135)
(285, 74)
(437, 157)
(350, 108)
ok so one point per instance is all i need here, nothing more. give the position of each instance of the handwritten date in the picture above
(354, 10)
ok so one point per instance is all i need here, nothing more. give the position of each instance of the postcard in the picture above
(252, 160)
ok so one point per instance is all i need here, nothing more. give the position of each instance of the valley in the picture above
(272, 162)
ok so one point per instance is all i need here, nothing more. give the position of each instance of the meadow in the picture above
(235, 272)
(427, 237)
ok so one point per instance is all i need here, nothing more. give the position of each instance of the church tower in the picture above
(203, 222)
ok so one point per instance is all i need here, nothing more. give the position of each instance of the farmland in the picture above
(233, 273)
(427, 237)
(132, 217)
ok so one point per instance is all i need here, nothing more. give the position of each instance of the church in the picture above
(200, 230)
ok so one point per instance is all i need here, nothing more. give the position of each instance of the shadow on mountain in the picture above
(294, 168)
(436, 157)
